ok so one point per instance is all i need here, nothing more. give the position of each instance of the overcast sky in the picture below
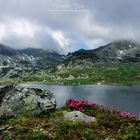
(68, 25)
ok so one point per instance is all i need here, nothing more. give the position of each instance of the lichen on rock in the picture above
(17, 100)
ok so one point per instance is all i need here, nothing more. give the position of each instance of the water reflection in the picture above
(120, 97)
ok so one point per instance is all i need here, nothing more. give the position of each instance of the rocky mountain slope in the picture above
(14, 62)
(117, 51)
(28, 57)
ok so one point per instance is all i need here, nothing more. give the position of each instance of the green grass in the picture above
(53, 126)
(123, 74)
(115, 74)
(127, 74)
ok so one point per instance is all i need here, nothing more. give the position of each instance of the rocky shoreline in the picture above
(15, 100)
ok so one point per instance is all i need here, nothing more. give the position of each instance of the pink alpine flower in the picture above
(126, 114)
(79, 104)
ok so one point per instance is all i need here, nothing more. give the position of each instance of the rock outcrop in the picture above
(78, 116)
(17, 100)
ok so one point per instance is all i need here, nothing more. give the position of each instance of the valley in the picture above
(42, 88)
(116, 63)
(69, 70)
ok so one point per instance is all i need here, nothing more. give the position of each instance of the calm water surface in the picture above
(124, 98)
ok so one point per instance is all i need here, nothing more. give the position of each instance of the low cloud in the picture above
(67, 25)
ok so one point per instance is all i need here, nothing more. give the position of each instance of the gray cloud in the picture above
(67, 25)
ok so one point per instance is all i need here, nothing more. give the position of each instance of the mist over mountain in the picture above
(28, 57)
(66, 25)
(115, 52)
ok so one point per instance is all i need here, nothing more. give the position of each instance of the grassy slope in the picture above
(54, 127)
(106, 74)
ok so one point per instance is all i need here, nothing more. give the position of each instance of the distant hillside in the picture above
(7, 51)
(114, 52)
(43, 58)
(16, 63)
(28, 57)
(25, 62)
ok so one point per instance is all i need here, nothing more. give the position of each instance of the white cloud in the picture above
(19, 33)
(62, 41)
(28, 23)
(90, 28)
(19, 28)
(23, 28)
(94, 43)
(2, 31)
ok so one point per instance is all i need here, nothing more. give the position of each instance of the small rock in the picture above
(99, 83)
(78, 116)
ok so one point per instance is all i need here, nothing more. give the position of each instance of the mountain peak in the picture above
(5, 50)
(115, 52)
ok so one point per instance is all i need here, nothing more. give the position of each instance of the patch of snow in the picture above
(8, 60)
(119, 57)
(3, 67)
(32, 57)
(23, 57)
(130, 46)
(122, 52)
(9, 57)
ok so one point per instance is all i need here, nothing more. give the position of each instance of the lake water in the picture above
(124, 98)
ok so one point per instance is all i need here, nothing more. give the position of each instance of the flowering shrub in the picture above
(117, 112)
(82, 105)
(126, 114)
(79, 105)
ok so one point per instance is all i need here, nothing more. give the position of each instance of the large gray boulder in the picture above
(18, 100)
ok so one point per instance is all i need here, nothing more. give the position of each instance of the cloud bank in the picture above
(67, 25)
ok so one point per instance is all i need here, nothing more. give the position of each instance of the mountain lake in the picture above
(124, 98)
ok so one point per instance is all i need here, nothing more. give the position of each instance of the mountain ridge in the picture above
(31, 60)
(114, 52)
(13, 57)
